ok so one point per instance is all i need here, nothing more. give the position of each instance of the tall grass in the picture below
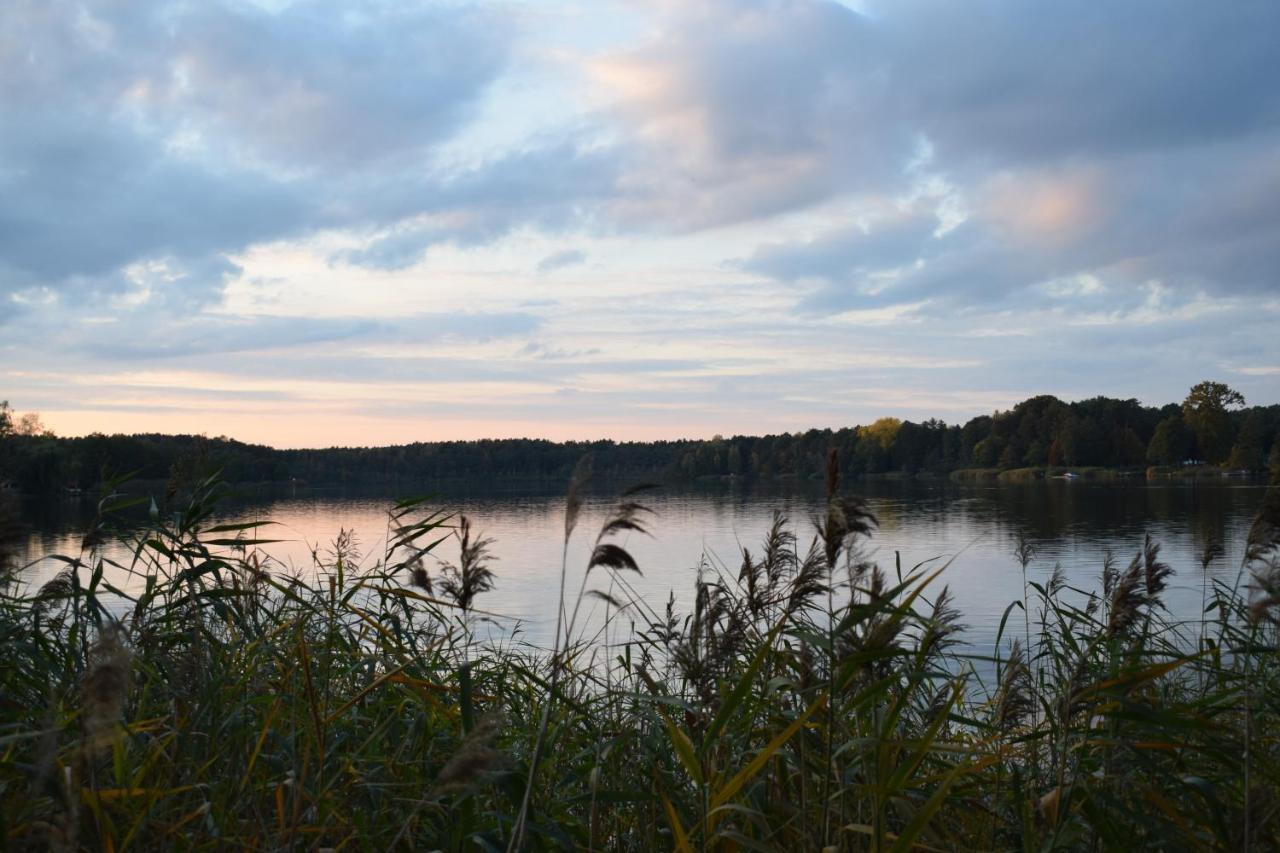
(810, 700)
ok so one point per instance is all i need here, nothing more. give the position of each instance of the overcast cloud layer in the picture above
(334, 222)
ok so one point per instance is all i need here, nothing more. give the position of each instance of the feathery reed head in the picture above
(750, 577)
(1024, 551)
(418, 576)
(345, 548)
(1127, 597)
(476, 759)
(106, 685)
(627, 517)
(779, 557)
(943, 625)
(1264, 591)
(1057, 581)
(846, 516)
(1155, 574)
(472, 575)
(1211, 549)
(1110, 574)
(809, 580)
(55, 591)
(254, 573)
(1264, 533)
(1262, 555)
(573, 499)
(1014, 702)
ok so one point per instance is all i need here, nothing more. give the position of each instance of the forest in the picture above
(1212, 427)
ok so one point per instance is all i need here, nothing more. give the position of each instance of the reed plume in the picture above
(1127, 597)
(55, 592)
(106, 686)
(573, 498)
(1262, 555)
(779, 552)
(809, 581)
(846, 516)
(475, 760)
(1155, 573)
(1024, 552)
(1014, 703)
(1057, 581)
(1264, 533)
(751, 578)
(1110, 574)
(471, 576)
(943, 626)
(421, 579)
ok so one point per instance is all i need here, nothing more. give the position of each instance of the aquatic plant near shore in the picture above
(809, 698)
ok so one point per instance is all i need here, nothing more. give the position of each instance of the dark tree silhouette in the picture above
(1206, 411)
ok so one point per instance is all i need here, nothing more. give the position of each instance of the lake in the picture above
(976, 526)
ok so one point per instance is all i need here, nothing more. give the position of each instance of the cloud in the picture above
(1032, 82)
(851, 255)
(145, 132)
(108, 338)
(217, 336)
(81, 201)
(743, 109)
(1194, 221)
(560, 260)
(332, 84)
(844, 94)
(1126, 142)
(552, 186)
(178, 134)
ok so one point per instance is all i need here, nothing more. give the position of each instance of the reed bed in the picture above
(809, 700)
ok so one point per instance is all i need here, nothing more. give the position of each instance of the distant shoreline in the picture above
(532, 485)
(1098, 439)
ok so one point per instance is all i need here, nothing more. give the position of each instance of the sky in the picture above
(362, 223)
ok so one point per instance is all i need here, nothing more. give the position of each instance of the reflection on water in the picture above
(1070, 523)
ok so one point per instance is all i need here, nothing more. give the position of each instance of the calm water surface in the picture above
(1071, 523)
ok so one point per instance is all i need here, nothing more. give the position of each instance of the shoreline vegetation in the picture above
(1210, 433)
(809, 700)
(1095, 474)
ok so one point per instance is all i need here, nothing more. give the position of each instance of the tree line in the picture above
(1212, 426)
